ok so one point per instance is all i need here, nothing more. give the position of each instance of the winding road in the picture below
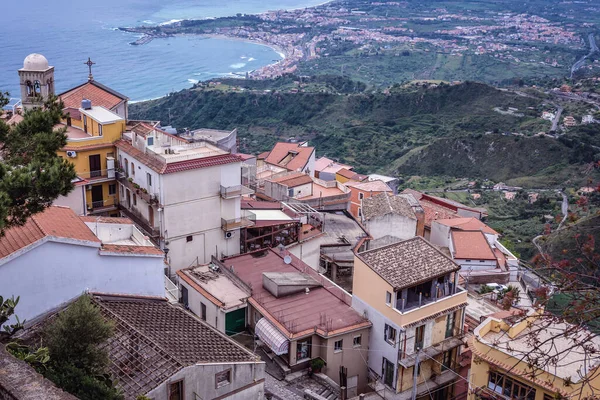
(593, 49)
(565, 212)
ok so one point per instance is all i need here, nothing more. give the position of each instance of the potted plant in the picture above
(144, 191)
(316, 364)
(130, 180)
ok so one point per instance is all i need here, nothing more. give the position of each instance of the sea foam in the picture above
(237, 65)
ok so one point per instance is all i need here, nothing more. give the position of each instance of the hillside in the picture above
(452, 130)
(566, 243)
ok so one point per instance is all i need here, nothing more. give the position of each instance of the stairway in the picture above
(328, 394)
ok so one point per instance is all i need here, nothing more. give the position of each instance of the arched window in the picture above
(29, 89)
(126, 168)
(50, 86)
(132, 169)
(37, 88)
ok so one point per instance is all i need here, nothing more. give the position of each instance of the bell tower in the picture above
(36, 80)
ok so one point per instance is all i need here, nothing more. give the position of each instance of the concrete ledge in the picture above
(311, 395)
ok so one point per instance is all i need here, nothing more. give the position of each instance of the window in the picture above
(222, 378)
(468, 260)
(150, 141)
(112, 189)
(176, 390)
(203, 311)
(132, 169)
(419, 337)
(447, 360)
(338, 345)
(509, 387)
(189, 238)
(303, 349)
(357, 341)
(126, 168)
(388, 298)
(37, 88)
(390, 334)
(361, 196)
(450, 321)
(134, 199)
(29, 89)
(360, 212)
(99, 129)
(85, 123)
(148, 179)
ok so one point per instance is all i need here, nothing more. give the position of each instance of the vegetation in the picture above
(7, 310)
(78, 362)
(32, 175)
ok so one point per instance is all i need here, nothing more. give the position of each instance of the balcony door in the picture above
(95, 166)
(388, 372)
(97, 196)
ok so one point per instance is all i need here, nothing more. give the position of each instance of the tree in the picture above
(78, 362)
(32, 175)
(7, 309)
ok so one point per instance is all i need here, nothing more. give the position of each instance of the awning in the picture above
(272, 337)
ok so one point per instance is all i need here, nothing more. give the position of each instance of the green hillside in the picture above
(451, 130)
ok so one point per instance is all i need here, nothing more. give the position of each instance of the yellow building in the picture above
(91, 149)
(409, 290)
(566, 369)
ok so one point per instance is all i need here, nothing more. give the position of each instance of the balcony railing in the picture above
(245, 221)
(408, 360)
(142, 193)
(140, 221)
(404, 305)
(102, 205)
(98, 174)
(230, 192)
(172, 291)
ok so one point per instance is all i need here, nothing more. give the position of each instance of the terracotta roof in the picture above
(467, 224)
(55, 221)
(166, 338)
(294, 179)
(299, 313)
(245, 157)
(384, 203)
(471, 245)
(451, 204)
(435, 211)
(281, 150)
(149, 161)
(201, 163)
(408, 263)
(99, 94)
(130, 249)
(416, 194)
(263, 155)
(106, 220)
(346, 173)
(142, 128)
(370, 186)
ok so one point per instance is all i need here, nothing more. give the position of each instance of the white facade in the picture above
(75, 200)
(52, 272)
(390, 228)
(189, 210)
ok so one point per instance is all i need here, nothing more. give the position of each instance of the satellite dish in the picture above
(287, 259)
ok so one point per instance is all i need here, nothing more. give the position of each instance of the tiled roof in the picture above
(99, 94)
(153, 340)
(346, 173)
(281, 150)
(201, 163)
(130, 249)
(370, 186)
(55, 221)
(416, 194)
(435, 211)
(408, 263)
(471, 245)
(293, 180)
(245, 157)
(467, 224)
(149, 161)
(142, 128)
(384, 203)
(299, 313)
(260, 205)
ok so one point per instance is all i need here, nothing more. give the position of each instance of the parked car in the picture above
(497, 286)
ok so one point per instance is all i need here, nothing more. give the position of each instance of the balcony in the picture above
(108, 204)
(141, 222)
(408, 360)
(246, 220)
(231, 192)
(142, 193)
(425, 294)
(97, 176)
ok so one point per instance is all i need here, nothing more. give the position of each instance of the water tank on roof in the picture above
(86, 104)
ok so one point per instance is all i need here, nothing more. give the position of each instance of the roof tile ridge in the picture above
(130, 326)
(387, 197)
(39, 225)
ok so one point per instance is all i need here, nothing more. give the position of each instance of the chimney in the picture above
(86, 104)
(420, 214)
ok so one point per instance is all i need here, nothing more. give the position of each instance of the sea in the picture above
(67, 32)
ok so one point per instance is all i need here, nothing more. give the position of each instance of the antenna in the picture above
(287, 259)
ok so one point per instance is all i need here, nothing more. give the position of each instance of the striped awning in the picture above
(272, 337)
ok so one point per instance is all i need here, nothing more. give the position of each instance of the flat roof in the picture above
(101, 115)
(224, 292)
(271, 215)
(186, 152)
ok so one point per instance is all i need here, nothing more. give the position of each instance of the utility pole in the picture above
(415, 376)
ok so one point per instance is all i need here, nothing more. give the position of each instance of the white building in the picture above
(215, 295)
(58, 255)
(185, 195)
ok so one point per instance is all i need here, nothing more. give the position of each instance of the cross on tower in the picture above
(89, 63)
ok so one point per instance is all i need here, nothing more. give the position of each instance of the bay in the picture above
(68, 32)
